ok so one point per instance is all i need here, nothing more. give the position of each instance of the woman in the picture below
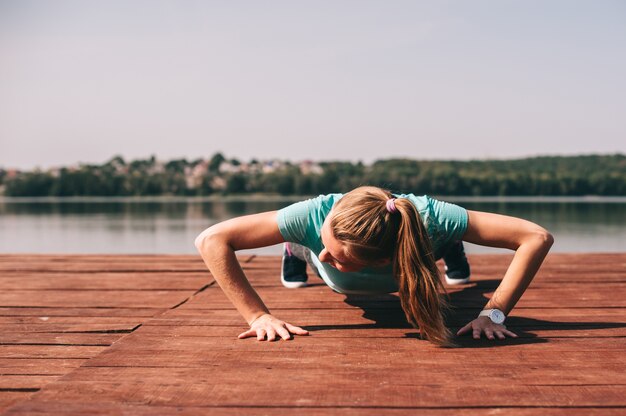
(371, 241)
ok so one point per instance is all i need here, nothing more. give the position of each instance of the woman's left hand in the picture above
(484, 324)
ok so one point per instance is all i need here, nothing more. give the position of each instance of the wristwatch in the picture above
(496, 315)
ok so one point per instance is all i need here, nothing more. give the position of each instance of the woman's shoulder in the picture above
(318, 203)
(426, 202)
(302, 221)
(327, 201)
(421, 202)
(320, 207)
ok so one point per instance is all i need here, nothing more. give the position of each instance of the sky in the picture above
(82, 81)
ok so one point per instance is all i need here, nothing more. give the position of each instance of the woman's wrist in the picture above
(257, 316)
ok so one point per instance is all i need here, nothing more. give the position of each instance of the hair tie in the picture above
(391, 205)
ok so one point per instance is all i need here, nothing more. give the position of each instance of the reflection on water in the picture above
(577, 227)
(170, 226)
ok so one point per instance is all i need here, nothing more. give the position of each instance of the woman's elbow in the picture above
(549, 239)
(206, 239)
(537, 237)
(545, 238)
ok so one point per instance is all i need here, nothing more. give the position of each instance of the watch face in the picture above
(497, 316)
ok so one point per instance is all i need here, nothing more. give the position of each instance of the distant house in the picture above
(308, 167)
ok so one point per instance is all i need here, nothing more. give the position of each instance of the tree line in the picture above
(537, 176)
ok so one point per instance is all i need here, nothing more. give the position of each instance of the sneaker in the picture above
(457, 267)
(293, 274)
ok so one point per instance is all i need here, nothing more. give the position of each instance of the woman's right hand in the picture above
(267, 325)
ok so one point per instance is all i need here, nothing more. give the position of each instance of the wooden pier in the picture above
(153, 335)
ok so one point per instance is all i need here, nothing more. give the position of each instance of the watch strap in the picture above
(485, 312)
(488, 313)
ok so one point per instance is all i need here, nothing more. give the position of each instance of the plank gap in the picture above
(20, 390)
(100, 331)
(55, 345)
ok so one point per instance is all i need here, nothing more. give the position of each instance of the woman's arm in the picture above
(531, 244)
(217, 246)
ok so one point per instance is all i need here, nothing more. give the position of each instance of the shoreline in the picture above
(278, 198)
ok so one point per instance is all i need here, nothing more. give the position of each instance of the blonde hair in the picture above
(373, 234)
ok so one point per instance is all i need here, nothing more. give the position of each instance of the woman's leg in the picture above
(457, 266)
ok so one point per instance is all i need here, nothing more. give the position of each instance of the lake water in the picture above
(166, 225)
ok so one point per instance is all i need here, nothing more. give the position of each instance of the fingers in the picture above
(271, 334)
(491, 330)
(465, 329)
(476, 333)
(500, 331)
(271, 330)
(509, 333)
(283, 333)
(296, 329)
(247, 334)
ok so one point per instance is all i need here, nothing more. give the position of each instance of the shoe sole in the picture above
(456, 281)
(291, 285)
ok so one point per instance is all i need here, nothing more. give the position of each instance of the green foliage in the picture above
(236, 184)
(547, 175)
(216, 161)
(29, 184)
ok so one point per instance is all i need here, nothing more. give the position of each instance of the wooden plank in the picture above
(593, 263)
(105, 267)
(110, 298)
(364, 330)
(100, 281)
(35, 407)
(15, 382)
(382, 309)
(127, 258)
(49, 351)
(269, 278)
(9, 398)
(592, 374)
(83, 327)
(39, 366)
(128, 322)
(96, 257)
(104, 263)
(317, 388)
(81, 311)
(553, 259)
(488, 262)
(22, 338)
(324, 297)
(529, 319)
(590, 270)
(315, 352)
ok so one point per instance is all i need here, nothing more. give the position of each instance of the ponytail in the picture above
(419, 282)
(375, 230)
